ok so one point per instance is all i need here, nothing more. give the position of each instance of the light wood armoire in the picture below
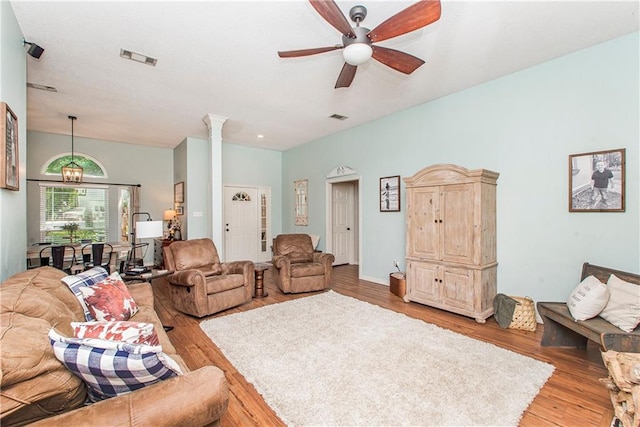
(451, 239)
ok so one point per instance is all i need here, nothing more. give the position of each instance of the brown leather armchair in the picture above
(296, 267)
(201, 284)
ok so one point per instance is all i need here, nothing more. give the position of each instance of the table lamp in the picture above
(169, 215)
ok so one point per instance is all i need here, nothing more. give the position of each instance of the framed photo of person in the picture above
(9, 163)
(390, 194)
(597, 181)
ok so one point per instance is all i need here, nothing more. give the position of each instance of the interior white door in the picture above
(241, 223)
(343, 219)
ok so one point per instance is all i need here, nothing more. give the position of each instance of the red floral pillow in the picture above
(109, 299)
(122, 331)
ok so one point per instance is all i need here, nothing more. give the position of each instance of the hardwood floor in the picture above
(573, 396)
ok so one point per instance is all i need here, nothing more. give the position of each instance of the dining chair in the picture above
(31, 261)
(97, 254)
(62, 257)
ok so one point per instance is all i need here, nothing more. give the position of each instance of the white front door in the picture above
(241, 223)
(343, 228)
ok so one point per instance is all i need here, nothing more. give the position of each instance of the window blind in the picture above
(62, 206)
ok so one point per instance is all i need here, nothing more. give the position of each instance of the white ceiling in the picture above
(220, 58)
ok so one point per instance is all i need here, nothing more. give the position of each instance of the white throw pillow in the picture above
(623, 308)
(588, 299)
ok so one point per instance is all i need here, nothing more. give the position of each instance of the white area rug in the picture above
(333, 360)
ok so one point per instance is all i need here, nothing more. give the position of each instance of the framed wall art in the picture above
(178, 192)
(301, 201)
(390, 194)
(179, 210)
(596, 181)
(9, 164)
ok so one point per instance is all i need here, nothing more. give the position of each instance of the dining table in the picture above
(33, 252)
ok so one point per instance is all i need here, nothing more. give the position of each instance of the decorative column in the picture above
(215, 123)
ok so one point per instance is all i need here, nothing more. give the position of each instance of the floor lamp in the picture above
(148, 229)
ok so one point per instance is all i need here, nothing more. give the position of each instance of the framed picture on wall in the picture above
(9, 164)
(596, 181)
(300, 188)
(390, 194)
(178, 192)
(179, 210)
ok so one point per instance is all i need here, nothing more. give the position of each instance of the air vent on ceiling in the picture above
(138, 57)
(41, 87)
(338, 117)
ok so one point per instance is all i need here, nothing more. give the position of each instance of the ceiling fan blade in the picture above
(397, 60)
(346, 75)
(415, 16)
(331, 13)
(307, 52)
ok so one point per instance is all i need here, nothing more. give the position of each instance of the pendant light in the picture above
(72, 172)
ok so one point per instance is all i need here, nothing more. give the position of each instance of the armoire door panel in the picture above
(425, 280)
(456, 211)
(457, 289)
(423, 219)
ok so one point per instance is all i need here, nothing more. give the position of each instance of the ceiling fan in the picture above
(357, 42)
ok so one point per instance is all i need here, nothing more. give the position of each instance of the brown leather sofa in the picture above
(34, 385)
(201, 284)
(296, 267)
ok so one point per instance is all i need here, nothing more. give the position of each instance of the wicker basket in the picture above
(524, 315)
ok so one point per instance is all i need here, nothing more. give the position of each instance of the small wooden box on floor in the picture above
(398, 284)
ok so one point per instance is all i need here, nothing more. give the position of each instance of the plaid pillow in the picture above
(86, 278)
(111, 368)
(123, 331)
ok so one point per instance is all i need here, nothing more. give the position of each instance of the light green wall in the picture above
(157, 170)
(13, 91)
(240, 166)
(181, 174)
(255, 167)
(198, 185)
(523, 126)
(150, 167)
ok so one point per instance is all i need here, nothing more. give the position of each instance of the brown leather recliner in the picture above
(201, 284)
(296, 267)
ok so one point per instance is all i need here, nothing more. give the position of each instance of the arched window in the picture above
(92, 168)
(85, 205)
(241, 197)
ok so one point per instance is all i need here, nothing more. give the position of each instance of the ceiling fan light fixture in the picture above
(357, 53)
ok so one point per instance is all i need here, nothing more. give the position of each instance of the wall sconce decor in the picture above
(300, 190)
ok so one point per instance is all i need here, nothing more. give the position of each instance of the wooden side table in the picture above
(259, 276)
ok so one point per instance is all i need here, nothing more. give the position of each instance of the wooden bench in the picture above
(561, 330)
